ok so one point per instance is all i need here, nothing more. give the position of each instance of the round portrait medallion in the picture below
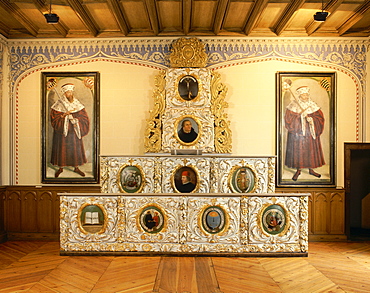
(92, 219)
(130, 179)
(151, 219)
(185, 180)
(187, 130)
(213, 219)
(274, 219)
(242, 180)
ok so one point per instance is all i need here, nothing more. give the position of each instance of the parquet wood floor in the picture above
(30, 266)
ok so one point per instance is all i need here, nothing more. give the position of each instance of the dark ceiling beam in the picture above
(186, 16)
(221, 11)
(14, 11)
(254, 14)
(357, 15)
(118, 14)
(44, 8)
(153, 15)
(4, 30)
(84, 16)
(287, 15)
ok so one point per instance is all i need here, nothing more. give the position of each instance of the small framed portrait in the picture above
(188, 87)
(92, 219)
(152, 219)
(274, 220)
(185, 180)
(130, 179)
(187, 130)
(243, 179)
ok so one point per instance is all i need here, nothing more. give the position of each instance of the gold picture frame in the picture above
(187, 139)
(188, 185)
(131, 178)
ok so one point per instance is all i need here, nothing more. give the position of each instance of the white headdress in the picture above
(303, 90)
(67, 87)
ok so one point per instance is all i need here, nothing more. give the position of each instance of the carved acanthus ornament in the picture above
(218, 105)
(153, 133)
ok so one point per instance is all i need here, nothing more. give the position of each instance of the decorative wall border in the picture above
(27, 57)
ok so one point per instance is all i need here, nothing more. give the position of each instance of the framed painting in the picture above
(306, 146)
(131, 179)
(70, 127)
(243, 179)
(187, 130)
(188, 87)
(185, 180)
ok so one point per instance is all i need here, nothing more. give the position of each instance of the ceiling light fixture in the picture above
(51, 18)
(321, 15)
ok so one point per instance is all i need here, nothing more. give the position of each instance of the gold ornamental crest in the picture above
(188, 52)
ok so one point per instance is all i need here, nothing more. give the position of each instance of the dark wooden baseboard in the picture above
(11, 236)
(3, 236)
(318, 237)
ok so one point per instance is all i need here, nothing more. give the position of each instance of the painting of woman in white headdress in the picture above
(70, 133)
(305, 120)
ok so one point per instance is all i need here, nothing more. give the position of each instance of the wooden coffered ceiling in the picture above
(162, 18)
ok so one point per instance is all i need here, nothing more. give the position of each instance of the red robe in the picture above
(302, 149)
(68, 150)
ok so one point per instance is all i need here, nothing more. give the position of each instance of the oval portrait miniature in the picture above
(187, 130)
(131, 179)
(151, 219)
(185, 180)
(274, 219)
(188, 88)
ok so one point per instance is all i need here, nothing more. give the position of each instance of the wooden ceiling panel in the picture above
(203, 13)
(67, 15)
(270, 15)
(237, 15)
(137, 16)
(303, 16)
(7, 19)
(363, 23)
(170, 15)
(103, 16)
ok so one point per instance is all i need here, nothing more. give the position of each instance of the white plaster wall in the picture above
(126, 98)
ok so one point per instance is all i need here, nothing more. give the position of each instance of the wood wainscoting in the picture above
(32, 212)
(326, 209)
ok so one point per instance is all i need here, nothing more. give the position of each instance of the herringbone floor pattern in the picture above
(28, 266)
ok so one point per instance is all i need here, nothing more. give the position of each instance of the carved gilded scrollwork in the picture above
(289, 239)
(135, 233)
(188, 52)
(73, 236)
(153, 133)
(224, 168)
(222, 129)
(186, 223)
(198, 234)
(110, 168)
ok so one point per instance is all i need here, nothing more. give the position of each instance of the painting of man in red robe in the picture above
(70, 123)
(304, 121)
